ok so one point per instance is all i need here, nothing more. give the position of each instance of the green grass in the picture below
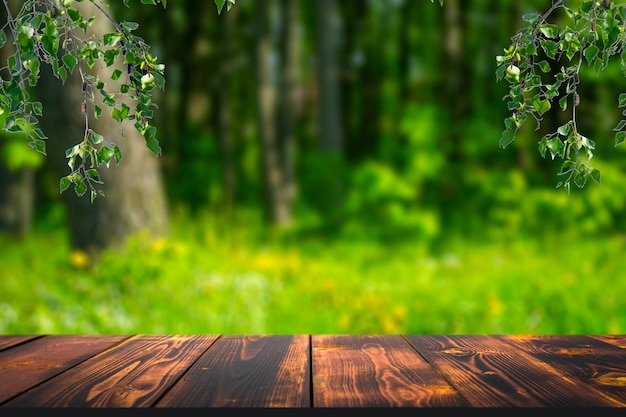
(215, 279)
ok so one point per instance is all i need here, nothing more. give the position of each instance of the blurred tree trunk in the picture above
(352, 94)
(331, 142)
(330, 126)
(196, 105)
(454, 93)
(287, 100)
(371, 82)
(134, 197)
(224, 111)
(17, 186)
(277, 207)
(17, 198)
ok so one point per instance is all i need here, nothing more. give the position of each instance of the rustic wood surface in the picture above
(312, 371)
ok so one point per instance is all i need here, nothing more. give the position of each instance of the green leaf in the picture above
(62, 74)
(619, 138)
(545, 66)
(37, 108)
(586, 6)
(38, 145)
(591, 52)
(595, 175)
(566, 167)
(549, 30)
(121, 113)
(70, 61)
(508, 136)
(111, 39)
(65, 182)
(555, 146)
(580, 180)
(550, 47)
(565, 129)
(104, 155)
(117, 153)
(230, 3)
(620, 126)
(129, 26)
(151, 141)
(96, 138)
(39, 133)
(93, 174)
(80, 188)
(500, 71)
(541, 106)
(110, 55)
(543, 146)
(531, 17)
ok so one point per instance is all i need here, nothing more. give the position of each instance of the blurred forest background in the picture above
(328, 166)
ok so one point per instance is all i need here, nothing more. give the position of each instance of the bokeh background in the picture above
(328, 166)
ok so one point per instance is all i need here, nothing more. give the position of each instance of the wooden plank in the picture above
(34, 362)
(375, 371)
(9, 341)
(247, 371)
(133, 374)
(491, 372)
(597, 363)
(618, 340)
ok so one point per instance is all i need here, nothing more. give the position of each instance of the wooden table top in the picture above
(312, 371)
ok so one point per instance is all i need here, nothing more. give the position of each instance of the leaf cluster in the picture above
(542, 66)
(54, 32)
(220, 5)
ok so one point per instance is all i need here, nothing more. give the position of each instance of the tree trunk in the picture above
(330, 136)
(224, 111)
(330, 129)
(17, 185)
(453, 94)
(287, 100)
(134, 198)
(277, 209)
(17, 198)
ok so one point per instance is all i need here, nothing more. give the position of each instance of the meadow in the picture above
(212, 277)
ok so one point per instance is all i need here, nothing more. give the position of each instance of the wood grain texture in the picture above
(133, 374)
(312, 371)
(599, 364)
(40, 359)
(613, 339)
(247, 371)
(491, 372)
(375, 371)
(10, 341)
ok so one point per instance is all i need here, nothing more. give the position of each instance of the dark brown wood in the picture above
(375, 371)
(617, 340)
(313, 371)
(599, 364)
(10, 341)
(489, 372)
(34, 362)
(134, 374)
(247, 371)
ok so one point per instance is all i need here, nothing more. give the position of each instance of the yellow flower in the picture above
(79, 259)
(159, 245)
